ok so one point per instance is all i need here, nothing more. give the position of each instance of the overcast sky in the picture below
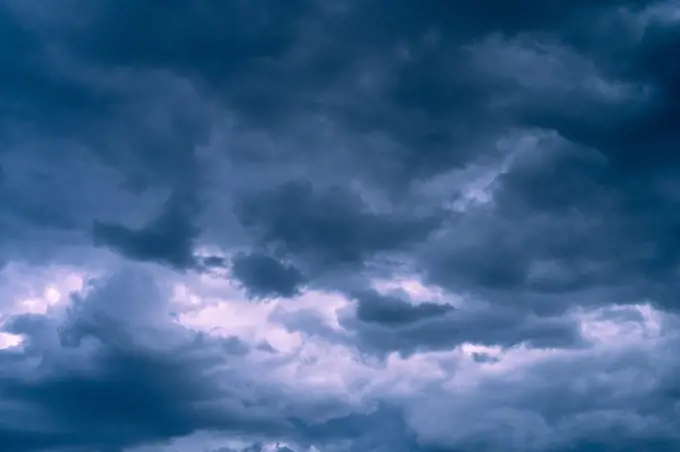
(339, 226)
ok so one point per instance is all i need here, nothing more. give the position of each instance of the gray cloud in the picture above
(317, 147)
(330, 227)
(374, 308)
(117, 372)
(263, 276)
(128, 393)
(381, 324)
(386, 323)
(169, 238)
(574, 403)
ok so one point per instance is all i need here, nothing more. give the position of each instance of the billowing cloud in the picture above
(299, 226)
(167, 238)
(263, 276)
(333, 227)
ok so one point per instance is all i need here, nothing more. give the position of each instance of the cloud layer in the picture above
(296, 226)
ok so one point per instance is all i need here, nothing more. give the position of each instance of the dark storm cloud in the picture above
(565, 221)
(139, 34)
(76, 136)
(168, 239)
(375, 308)
(116, 400)
(132, 397)
(32, 91)
(327, 227)
(116, 373)
(579, 204)
(388, 323)
(381, 324)
(637, 136)
(360, 98)
(263, 276)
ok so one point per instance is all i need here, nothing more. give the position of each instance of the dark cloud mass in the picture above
(327, 227)
(375, 308)
(263, 276)
(168, 238)
(459, 219)
(387, 323)
(102, 386)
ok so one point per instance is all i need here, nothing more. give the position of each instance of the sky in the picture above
(339, 226)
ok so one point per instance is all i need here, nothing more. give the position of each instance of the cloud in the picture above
(375, 308)
(116, 372)
(386, 324)
(462, 216)
(168, 238)
(263, 276)
(550, 408)
(330, 227)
